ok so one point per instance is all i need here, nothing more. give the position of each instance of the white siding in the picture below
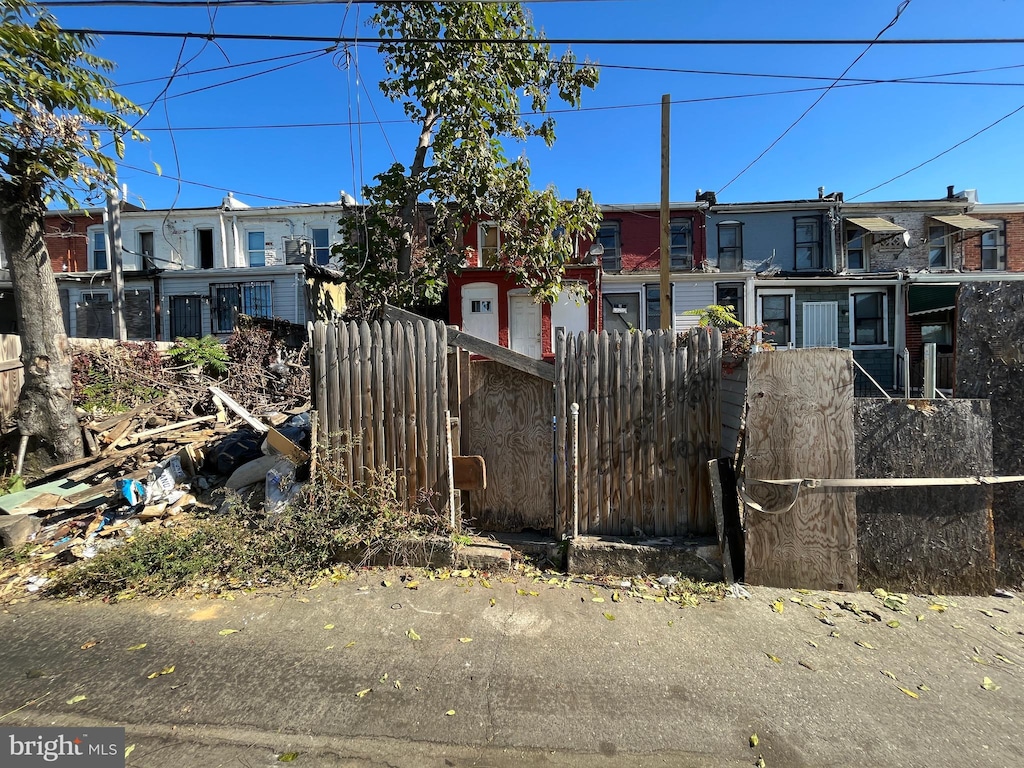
(687, 296)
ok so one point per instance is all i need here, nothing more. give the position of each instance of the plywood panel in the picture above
(800, 425)
(507, 420)
(925, 539)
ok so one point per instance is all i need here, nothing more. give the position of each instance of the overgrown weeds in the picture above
(241, 546)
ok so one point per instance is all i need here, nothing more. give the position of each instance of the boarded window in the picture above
(138, 313)
(94, 316)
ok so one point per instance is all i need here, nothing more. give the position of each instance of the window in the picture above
(681, 244)
(481, 307)
(777, 310)
(145, 249)
(204, 246)
(609, 237)
(856, 249)
(937, 333)
(255, 299)
(489, 243)
(621, 311)
(94, 316)
(993, 247)
(256, 249)
(321, 245)
(653, 306)
(869, 318)
(97, 249)
(730, 246)
(186, 316)
(938, 247)
(807, 237)
(821, 323)
(731, 295)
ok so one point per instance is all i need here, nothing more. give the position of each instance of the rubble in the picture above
(153, 463)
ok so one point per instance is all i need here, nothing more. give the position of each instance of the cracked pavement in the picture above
(541, 679)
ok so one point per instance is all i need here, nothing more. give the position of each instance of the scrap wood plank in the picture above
(241, 412)
(800, 424)
(112, 421)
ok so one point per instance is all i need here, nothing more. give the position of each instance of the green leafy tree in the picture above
(56, 109)
(467, 99)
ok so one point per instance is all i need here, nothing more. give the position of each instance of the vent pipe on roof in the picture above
(949, 191)
(821, 193)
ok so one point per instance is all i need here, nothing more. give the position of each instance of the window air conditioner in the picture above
(297, 250)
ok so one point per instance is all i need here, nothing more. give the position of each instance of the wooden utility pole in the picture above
(116, 273)
(666, 221)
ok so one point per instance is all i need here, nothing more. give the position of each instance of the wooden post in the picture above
(666, 221)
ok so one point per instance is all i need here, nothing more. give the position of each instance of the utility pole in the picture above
(116, 274)
(666, 222)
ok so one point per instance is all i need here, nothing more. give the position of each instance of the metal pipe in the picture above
(574, 410)
(906, 373)
(871, 379)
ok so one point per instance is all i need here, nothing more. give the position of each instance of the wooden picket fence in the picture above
(12, 377)
(649, 421)
(381, 395)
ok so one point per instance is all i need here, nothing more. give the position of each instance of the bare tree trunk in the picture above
(46, 409)
(409, 208)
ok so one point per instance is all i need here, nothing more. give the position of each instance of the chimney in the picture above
(821, 193)
(949, 192)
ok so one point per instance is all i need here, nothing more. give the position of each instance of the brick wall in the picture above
(1014, 225)
(67, 240)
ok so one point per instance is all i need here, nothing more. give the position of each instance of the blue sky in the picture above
(856, 138)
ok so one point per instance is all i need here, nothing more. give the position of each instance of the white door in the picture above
(567, 314)
(480, 311)
(524, 326)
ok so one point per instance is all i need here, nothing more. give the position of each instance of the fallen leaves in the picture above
(450, 713)
(328, 626)
(778, 606)
(82, 697)
(287, 757)
(754, 741)
(773, 657)
(411, 634)
(361, 694)
(165, 671)
(226, 632)
(465, 639)
(609, 616)
(864, 644)
(138, 647)
(988, 685)
(909, 692)
(89, 644)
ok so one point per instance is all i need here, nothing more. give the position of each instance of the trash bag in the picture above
(231, 452)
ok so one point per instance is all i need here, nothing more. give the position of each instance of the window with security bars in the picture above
(94, 316)
(228, 300)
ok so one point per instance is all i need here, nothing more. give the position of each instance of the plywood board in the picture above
(506, 419)
(470, 473)
(800, 425)
(925, 539)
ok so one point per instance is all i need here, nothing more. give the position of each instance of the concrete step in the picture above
(698, 559)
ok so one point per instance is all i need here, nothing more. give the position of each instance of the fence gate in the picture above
(381, 394)
(649, 421)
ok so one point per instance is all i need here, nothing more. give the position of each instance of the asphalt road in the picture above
(543, 679)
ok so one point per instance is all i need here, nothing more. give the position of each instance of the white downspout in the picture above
(236, 255)
(223, 239)
(900, 330)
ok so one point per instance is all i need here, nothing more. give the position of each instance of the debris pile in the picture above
(167, 456)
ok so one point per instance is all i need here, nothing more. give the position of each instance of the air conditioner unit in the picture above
(297, 250)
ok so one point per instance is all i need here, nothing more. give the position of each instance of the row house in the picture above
(187, 272)
(878, 278)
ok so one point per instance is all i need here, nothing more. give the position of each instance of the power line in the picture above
(243, 3)
(899, 12)
(959, 144)
(210, 186)
(198, 72)
(553, 40)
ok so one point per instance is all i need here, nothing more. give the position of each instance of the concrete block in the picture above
(15, 529)
(698, 559)
(485, 557)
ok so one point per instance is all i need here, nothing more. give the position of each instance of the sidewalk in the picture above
(533, 680)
